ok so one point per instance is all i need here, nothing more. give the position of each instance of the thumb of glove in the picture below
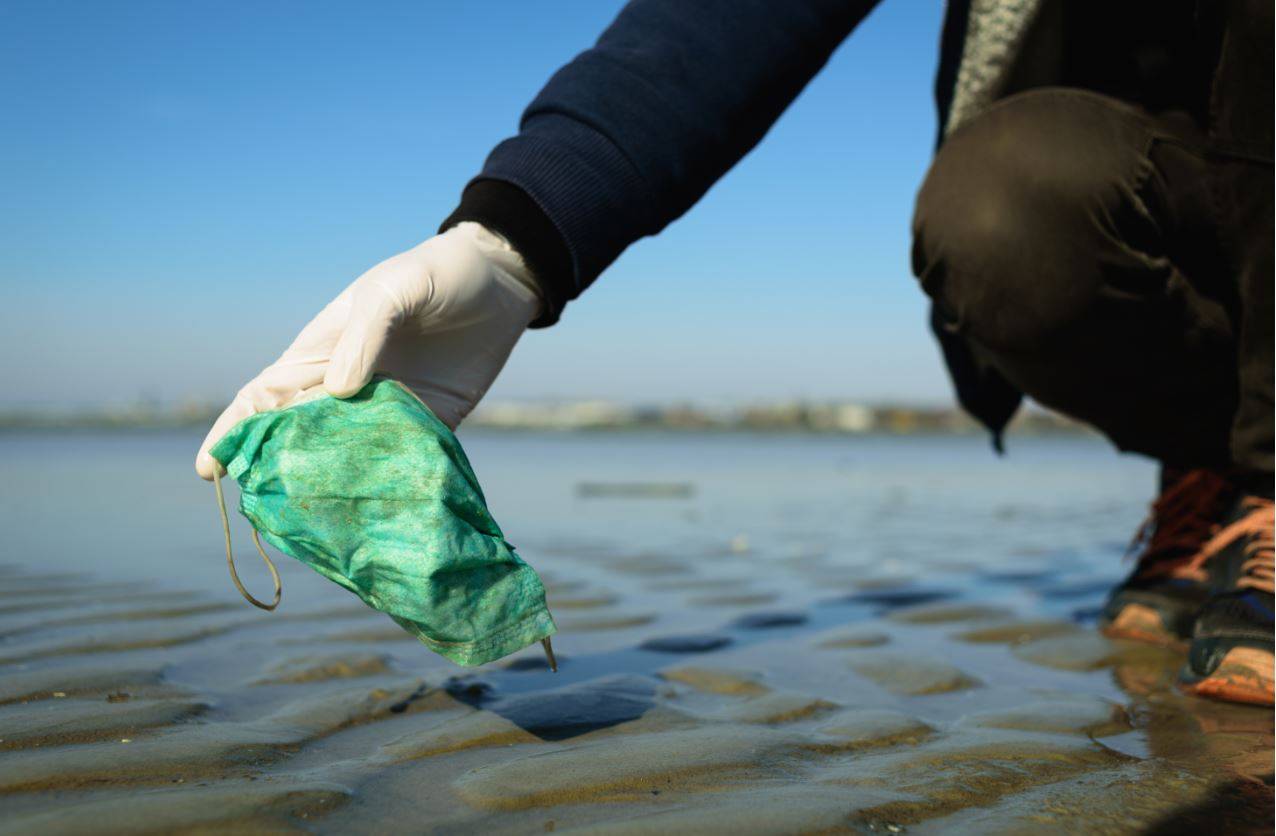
(373, 316)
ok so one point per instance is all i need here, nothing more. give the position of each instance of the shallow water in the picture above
(808, 634)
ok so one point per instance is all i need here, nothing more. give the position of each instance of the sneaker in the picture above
(1159, 601)
(1231, 653)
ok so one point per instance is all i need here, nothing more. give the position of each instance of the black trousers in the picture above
(1105, 246)
(1113, 267)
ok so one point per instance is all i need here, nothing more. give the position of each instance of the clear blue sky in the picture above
(185, 184)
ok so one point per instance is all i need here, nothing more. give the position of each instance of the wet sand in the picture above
(774, 679)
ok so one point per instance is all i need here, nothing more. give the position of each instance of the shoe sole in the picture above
(1141, 623)
(1244, 676)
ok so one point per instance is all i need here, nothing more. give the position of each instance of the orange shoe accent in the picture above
(1244, 675)
(1259, 525)
(1141, 623)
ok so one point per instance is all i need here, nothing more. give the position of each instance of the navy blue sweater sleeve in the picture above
(631, 133)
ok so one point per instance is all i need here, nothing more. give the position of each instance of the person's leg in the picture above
(1240, 132)
(1067, 239)
(1089, 254)
(1231, 653)
(1252, 440)
(1050, 239)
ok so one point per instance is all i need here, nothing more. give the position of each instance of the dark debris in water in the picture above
(703, 643)
(1084, 588)
(889, 599)
(769, 620)
(468, 690)
(533, 663)
(1026, 575)
(577, 709)
(402, 705)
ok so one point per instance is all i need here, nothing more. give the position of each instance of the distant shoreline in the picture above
(838, 419)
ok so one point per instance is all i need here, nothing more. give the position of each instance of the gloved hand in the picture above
(440, 318)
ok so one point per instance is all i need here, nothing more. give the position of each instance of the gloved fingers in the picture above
(239, 409)
(373, 317)
(275, 387)
(300, 367)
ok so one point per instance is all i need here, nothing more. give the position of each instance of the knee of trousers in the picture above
(1024, 213)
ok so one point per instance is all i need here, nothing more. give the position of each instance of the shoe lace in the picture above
(1183, 517)
(1258, 571)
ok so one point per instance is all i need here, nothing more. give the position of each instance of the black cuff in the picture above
(510, 212)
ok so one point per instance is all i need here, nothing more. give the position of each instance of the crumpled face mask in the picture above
(375, 493)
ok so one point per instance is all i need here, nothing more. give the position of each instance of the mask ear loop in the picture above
(230, 557)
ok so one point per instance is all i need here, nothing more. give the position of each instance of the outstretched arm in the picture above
(631, 133)
(619, 143)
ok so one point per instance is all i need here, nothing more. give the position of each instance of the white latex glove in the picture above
(440, 318)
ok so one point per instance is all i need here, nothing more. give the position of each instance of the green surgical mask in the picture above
(375, 493)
